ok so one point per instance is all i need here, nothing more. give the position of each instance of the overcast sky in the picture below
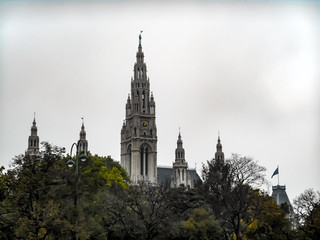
(247, 70)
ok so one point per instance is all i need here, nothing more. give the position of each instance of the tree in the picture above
(202, 225)
(269, 220)
(30, 209)
(307, 214)
(228, 189)
(146, 212)
(39, 191)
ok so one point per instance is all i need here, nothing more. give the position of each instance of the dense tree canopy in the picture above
(37, 201)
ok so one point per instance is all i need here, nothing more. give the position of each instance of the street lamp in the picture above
(83, 157)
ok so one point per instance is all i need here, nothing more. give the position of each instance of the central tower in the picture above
(139, 131)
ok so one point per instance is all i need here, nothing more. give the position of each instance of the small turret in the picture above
(219, 155)
(82, 143)
(181, 175)
(33, 141)
(128, 106)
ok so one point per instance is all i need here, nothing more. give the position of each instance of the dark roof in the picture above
(279, 194)
(194, 176)
(165, 174)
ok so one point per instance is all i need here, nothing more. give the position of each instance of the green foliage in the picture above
(307, 214)
(228, 190)
(202, 225)
(38, 202)
(269, 221)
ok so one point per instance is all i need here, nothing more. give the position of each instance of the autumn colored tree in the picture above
(269, 221)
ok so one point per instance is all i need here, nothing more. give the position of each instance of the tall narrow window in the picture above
(141, 161)
(146, 154)
(129, 160)
(143, 99)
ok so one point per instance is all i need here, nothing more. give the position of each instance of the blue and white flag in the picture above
(276, 172)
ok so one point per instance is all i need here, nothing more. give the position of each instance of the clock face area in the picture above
(144, 123)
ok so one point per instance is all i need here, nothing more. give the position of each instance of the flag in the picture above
(276, 172)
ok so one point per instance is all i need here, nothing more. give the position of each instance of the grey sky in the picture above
(249, 70)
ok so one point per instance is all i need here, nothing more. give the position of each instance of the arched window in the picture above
(144, 160)
(129, 160)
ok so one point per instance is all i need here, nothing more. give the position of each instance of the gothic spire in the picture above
(180, 149)
(33, 140)
(82, 143)
(82, 132)
(219, 155)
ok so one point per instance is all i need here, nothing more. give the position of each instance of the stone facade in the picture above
(279, 194)
(139, 131)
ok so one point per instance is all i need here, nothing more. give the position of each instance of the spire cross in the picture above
(82, 121)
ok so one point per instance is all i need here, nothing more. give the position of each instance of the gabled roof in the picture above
(165, 174)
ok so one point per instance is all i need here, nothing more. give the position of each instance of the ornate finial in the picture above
(140, 37)
(34, 118)
(82, 121)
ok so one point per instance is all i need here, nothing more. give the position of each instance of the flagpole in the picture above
(278, 176)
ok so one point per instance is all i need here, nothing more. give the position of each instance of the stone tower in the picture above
(219, 155)
(279, 194)
(33, 141)
(139, 131)
(180, 174)
(82, 142)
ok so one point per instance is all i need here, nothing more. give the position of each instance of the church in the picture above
(139, 137)
(139, 140)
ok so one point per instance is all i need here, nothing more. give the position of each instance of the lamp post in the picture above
(83, 157)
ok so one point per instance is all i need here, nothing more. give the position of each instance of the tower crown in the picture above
(141, 101)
